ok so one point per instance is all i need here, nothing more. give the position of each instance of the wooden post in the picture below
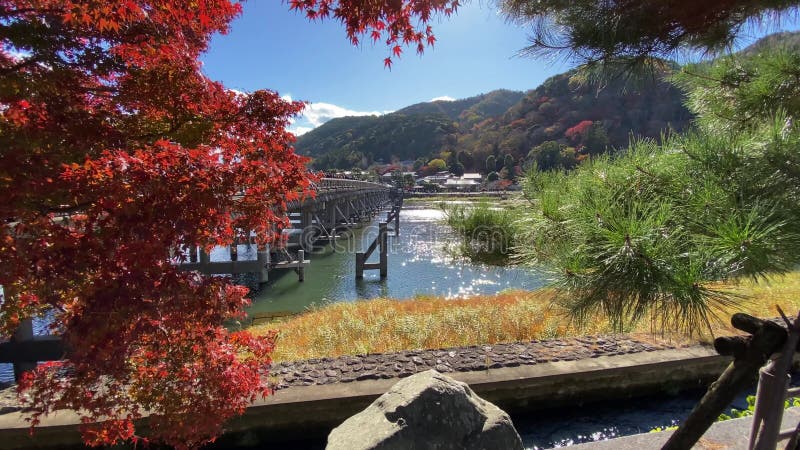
(330, 216)
(750, 354)
(204, 258)
(773, 382)
(24, 333)
(359, 265)
(397, 221)
(383, 237)
(301, 270)
(235, 250)
(306, 217)
(263, 262)
(193, 253)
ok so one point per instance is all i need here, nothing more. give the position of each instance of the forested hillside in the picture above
(560, 123)
(580, 119)
(564, 120)
(419, 130)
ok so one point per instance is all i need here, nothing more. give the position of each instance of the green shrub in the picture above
(488, 233)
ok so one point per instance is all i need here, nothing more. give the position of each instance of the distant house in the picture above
(389, 177)
(460, 184)
(472, 176)
(440, 178)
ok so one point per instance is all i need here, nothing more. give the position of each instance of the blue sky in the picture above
(271, 47)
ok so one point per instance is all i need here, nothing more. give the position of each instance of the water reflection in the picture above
(420, 263)
(371, 288)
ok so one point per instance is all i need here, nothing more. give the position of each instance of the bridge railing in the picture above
(327, 184)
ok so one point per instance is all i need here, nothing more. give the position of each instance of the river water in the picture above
(421, 261)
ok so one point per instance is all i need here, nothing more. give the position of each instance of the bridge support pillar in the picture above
(301, 270)
(234, 250)
(306, 217)
(263, 263)
(348, 213)
(359, 265)
(381, 242)
(384, 248)
(24, 333)
(330, 216)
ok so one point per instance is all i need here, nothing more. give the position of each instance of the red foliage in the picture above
(389, 168)
(519, 123)
(426, 170)
(390, 20)
(578, 132)
(105, 117)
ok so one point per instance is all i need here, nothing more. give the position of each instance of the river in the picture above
(421, 262)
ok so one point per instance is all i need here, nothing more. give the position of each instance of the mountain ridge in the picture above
(555, 124)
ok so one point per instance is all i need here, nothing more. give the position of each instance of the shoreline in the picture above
(523, 377)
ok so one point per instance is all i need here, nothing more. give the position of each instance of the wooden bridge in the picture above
(338, 205)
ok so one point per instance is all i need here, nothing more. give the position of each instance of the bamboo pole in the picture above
(750, 354)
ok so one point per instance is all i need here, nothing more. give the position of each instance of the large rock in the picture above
(427, 411)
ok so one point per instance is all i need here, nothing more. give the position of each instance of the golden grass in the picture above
(386, 325)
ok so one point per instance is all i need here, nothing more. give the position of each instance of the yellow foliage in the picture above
(426, 322)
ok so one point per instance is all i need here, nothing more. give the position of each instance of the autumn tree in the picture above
(437, 164)
(117, 152)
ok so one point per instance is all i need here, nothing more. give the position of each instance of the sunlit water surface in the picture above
(421, 261)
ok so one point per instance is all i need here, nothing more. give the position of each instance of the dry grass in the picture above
(386, 325)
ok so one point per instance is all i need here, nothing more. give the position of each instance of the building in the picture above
(472, 176)
(460, 184)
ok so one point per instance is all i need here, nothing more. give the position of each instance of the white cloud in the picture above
(315, 114)
(443, 98)
(318, 113)
(300, 130)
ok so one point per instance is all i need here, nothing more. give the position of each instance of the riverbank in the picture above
(616, 368)
(474, 197)
(429, 322)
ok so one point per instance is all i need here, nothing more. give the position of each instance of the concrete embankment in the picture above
(307, 412)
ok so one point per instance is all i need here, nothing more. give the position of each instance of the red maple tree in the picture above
(116, 149)
(579, 131)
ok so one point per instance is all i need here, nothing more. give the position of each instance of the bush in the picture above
(488, 233)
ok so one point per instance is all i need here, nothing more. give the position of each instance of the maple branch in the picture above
(22, 11)
(63, 209)
(18, 66)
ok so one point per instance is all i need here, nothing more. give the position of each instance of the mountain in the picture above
(481, 106)
(580, 118)
(786, 39)
(419, 130)
(558, 123)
